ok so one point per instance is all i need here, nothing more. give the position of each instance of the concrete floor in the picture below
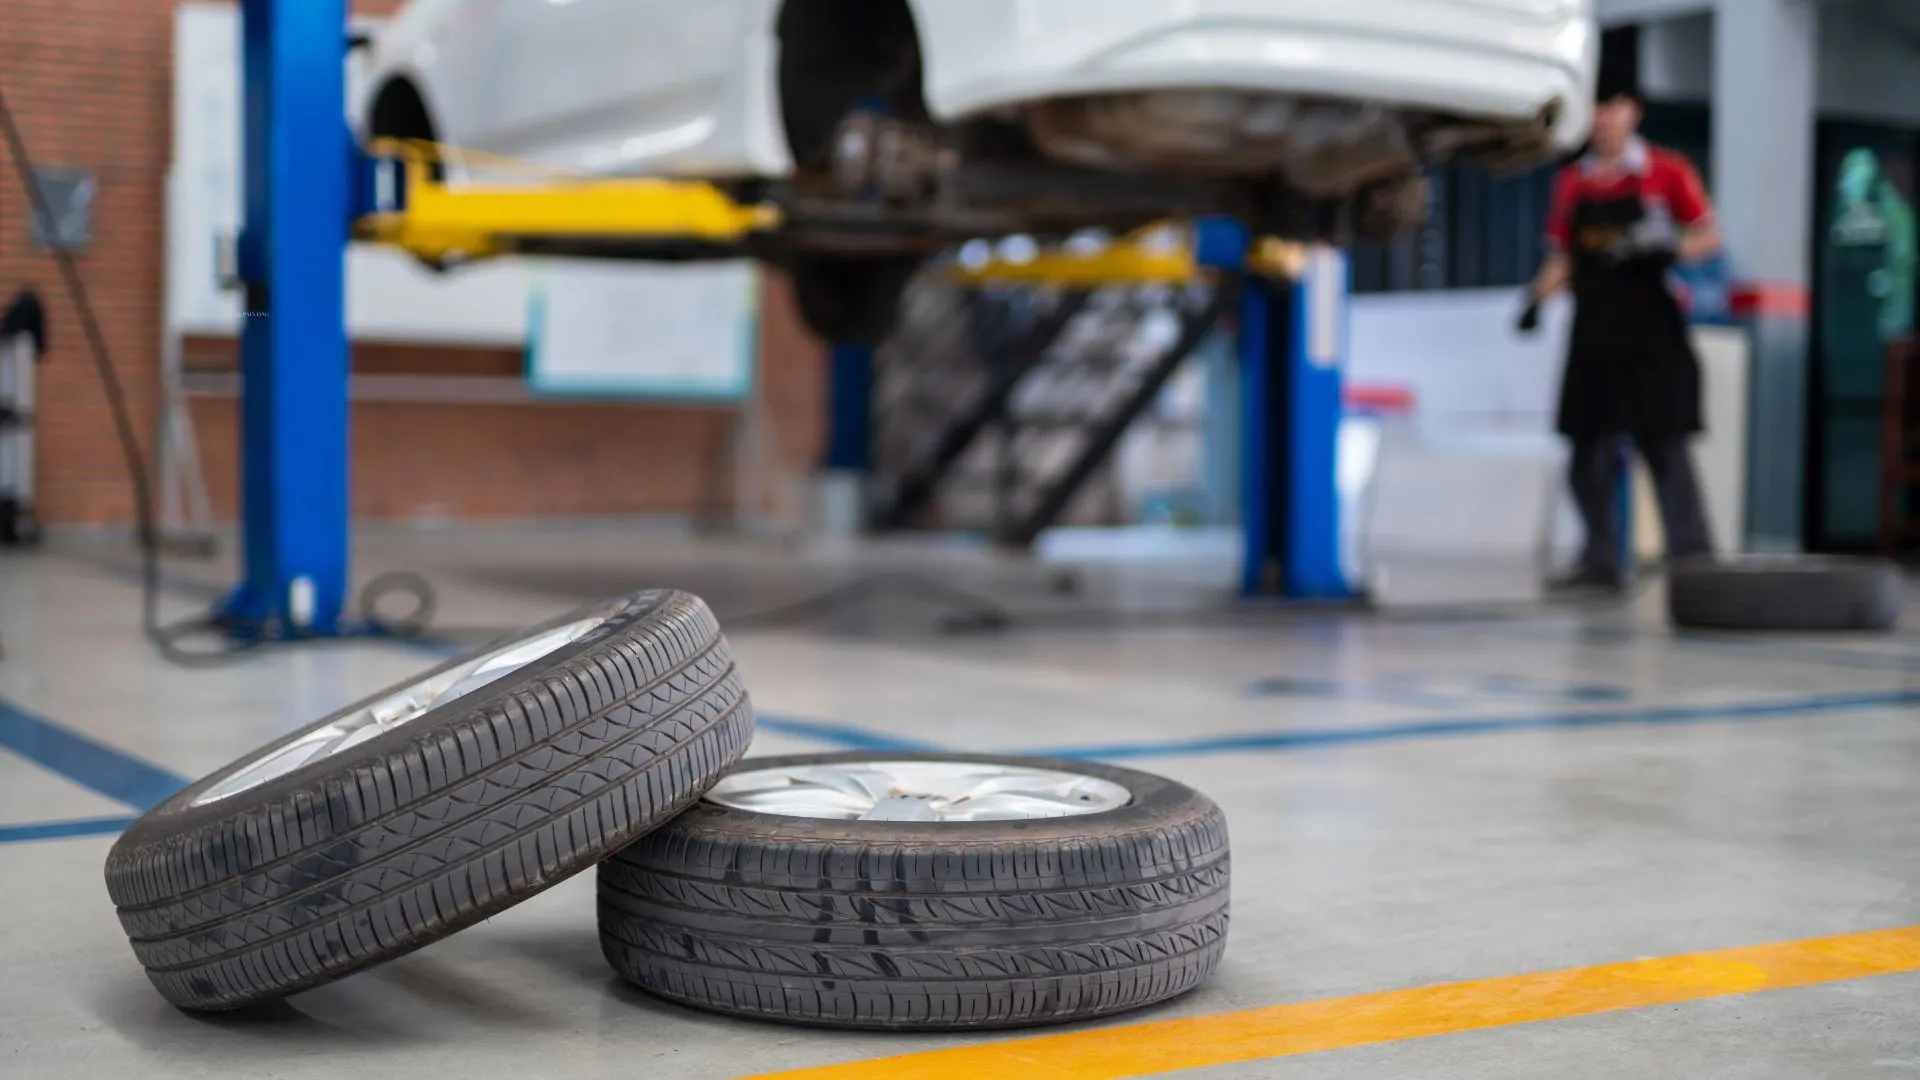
(1412, 802)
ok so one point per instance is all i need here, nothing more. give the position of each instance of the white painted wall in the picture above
(1676, 58)
(1864, 72)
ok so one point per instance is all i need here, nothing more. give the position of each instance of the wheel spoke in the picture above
(869, 784)
(803, 801)
(1014, 805)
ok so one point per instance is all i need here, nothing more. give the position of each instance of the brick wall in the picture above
(89, 83)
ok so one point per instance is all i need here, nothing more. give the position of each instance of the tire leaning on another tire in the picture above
(931, 926)
(436, 823)
(1792, 593)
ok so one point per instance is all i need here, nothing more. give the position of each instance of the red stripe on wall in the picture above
(1392, 400)
(1764, 299)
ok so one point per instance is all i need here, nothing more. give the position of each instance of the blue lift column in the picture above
(299, 160)
(1292, 343)
(840, 491)
(850, 421)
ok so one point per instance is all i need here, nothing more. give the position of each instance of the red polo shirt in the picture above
(1665, 181)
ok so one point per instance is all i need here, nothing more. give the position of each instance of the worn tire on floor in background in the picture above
(234, 894)
(1786, 593)
(950, 925)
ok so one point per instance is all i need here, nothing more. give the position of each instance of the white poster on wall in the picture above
(687, 331)
(1458, 353)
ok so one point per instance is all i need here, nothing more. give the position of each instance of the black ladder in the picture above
(1059, 376)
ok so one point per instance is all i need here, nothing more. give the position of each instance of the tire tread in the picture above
(980, 929)
(411, 841)
(1824, 594)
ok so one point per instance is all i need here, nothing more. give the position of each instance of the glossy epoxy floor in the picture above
(1413, 803)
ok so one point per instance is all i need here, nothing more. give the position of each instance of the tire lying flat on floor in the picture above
(387, 826)
(795, 911)
(1786, 593)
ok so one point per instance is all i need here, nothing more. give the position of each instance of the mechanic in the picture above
(1620, 218)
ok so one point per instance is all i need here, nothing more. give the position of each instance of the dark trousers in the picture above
(1595, 473)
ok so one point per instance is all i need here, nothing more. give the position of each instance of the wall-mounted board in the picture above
(686, 331)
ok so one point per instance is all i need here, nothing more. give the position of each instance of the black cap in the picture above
(1619, 75)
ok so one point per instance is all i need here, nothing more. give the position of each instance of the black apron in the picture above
(1631, 369)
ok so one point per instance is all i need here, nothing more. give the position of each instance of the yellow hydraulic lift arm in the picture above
(437, 222)
(441, 223)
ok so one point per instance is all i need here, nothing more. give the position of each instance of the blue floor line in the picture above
(108, 771)
(843, 736)
(95, 766)
(62, 830)
(1736, 712)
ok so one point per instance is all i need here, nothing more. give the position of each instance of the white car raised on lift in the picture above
(888, 128)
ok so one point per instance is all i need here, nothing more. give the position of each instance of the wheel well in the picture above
(399, 112)
(836, 55)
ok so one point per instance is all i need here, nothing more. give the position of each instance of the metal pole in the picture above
(294, 361)
(850, 424)
(16, 438)
(26, 408)
(1311, 565)
(1292, 345)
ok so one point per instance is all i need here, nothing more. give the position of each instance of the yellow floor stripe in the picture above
(1279, 1031)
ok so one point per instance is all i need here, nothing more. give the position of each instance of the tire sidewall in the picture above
(1788, 593)
(177, 814)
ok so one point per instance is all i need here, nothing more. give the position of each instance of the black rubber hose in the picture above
(238, 636)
